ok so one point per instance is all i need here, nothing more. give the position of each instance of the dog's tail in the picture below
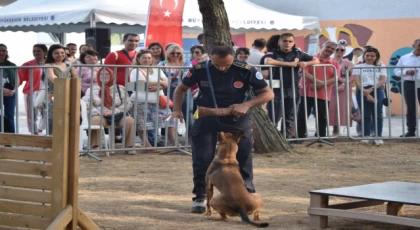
(245, 218)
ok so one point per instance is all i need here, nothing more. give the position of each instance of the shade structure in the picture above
(124, 16)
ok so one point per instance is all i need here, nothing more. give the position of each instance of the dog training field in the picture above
(153, 191)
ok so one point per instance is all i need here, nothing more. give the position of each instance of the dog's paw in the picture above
(208, 213)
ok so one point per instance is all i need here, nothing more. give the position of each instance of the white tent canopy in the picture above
(74, 16)
(123, 16)
(245, 16)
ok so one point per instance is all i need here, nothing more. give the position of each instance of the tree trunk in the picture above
(267, 139)
(215, 23)
(217, 32)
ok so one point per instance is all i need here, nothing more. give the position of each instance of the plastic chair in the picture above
(85, 126)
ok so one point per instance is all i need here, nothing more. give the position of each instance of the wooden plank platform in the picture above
(394, 193)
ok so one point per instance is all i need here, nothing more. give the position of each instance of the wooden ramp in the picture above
(394, 194)
(39, 175)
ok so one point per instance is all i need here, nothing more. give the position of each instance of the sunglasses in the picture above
(177, 54)
(342, 50)
(197, 52)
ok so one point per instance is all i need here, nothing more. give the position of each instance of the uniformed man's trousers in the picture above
(203, 151)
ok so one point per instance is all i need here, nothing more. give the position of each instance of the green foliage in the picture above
(116, 39)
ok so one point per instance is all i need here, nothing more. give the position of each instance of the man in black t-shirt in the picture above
(290, 59)
(227, 86)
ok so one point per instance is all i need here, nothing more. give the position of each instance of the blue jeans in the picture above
(151, 136)
(359, 127)
(368, 111)
(9, 114)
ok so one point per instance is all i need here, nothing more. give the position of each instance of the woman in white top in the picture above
(175, 58)
(157, 81)
(370, 80)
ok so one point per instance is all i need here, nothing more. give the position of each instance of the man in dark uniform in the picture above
(290, 59)
(230, 81)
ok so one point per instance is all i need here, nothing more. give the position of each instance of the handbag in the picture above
(164, 101)
(355, 114)
(385, 101)
(39, 99)
(117, 118)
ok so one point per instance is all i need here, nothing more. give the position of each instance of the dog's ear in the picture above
(239, 136)
(221, 137)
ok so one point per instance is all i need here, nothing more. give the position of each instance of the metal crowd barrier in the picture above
(181, 144)
(129, 90)
(392, 133)
(278, 84)
(32, 111)
(390, 72)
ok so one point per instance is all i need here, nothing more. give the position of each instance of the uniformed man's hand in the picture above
(239, 109)
(175, 114)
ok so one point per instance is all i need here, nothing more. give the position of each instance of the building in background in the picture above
(389, 25)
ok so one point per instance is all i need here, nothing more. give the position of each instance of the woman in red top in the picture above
(341, 92)
(316, 80)
(39, 52)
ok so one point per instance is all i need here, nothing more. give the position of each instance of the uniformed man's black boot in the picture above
(199, 206)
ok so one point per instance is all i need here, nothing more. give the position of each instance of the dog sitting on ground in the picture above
(223, 173)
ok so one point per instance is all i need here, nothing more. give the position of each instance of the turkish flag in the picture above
(164, 24)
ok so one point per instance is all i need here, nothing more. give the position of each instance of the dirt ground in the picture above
(153, 191)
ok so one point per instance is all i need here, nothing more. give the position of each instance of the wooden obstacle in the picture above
(39, 175)
(394, 194)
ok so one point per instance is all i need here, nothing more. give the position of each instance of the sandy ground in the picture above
(153, 191)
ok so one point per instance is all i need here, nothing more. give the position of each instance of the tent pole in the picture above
(92, 20)
(63, 38)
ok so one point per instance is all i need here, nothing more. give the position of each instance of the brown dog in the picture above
(223, 173)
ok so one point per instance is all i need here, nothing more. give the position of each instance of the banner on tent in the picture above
(19, 20)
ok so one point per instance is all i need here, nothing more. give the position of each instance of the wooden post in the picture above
(60, 145)
(315, 221)
(75, 90)
(394, 209)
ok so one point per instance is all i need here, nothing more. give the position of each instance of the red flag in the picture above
(164, 24)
